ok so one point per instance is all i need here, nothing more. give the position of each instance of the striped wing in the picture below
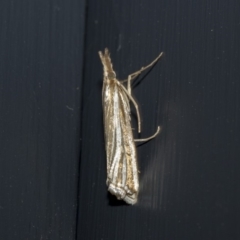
(122, 172)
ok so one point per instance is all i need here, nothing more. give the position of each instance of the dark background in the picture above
(52, 156)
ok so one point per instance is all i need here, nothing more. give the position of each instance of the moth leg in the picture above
(128, 90)
(137, 73)
(135, 105)
(149, 138)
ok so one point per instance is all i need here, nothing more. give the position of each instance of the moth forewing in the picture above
(122, 170)
(122, 179)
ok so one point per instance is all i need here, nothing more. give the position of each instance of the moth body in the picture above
(122, 170)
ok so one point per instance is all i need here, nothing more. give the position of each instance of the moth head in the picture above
(107, 64)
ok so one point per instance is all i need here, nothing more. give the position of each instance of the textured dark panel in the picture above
(41, 51)
(190, 173)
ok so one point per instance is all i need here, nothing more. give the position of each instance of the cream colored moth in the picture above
(122, 170)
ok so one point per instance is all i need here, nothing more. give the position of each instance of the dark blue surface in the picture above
(190, 173)
(41, 52)
(51, 119)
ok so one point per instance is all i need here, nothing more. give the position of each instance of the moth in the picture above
(122, 170)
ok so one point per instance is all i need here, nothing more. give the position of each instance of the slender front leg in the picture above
(134, 75)
(128, 92)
